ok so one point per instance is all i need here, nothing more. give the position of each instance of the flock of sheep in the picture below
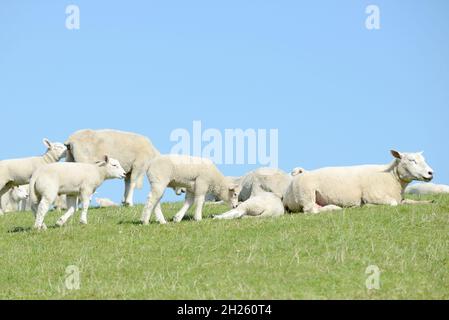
(93, 156)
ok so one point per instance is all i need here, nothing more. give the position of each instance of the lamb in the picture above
(198, 176)
(72, 179)
(105, 203)
(333, 188)
(268, 179)
(427, 189)
(12, 200)
(18, 172)
(133, 151)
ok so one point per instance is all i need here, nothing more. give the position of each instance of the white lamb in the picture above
(133, 151)
(17, 172)
(268, 179)
(105, 203)
(333, 188)
(73, 179)
(198, 176)
(427, 189)
(12, 200)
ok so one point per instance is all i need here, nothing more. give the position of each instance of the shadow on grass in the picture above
(30, 229)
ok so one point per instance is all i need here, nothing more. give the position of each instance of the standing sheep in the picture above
(17, 172)
(198, 176)
(333, 188)
(12, 200)
(133, 151)
(72, 179)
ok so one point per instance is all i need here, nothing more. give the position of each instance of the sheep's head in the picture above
(113, 168)
(20, 193)
(58, 150)
(412, 166)
(233, 191)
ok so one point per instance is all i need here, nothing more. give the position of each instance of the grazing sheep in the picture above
(133, 151)
(12, 200)
(427, 189)
(17, 172)
(261, 204)
(332, 188)
(105, 203)
(198, 176)
(72, 179)
(268, 179)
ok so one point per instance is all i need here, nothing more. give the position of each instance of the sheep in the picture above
(427, 189)
(18, 172)
(12, 200)
(133, 151)
(269, 179)
(72, 179)
(105, 203)
(261, 204)
(198, 176)
(331, 189)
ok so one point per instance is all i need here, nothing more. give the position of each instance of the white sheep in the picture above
(17, 172)
(268, 179)
(72, 179)
(133, 151)
(198, 176)
(105, 203)
(261, 204)
(427, 189)
(12, 200)
(333, 188)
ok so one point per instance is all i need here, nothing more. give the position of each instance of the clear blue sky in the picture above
(338, 93)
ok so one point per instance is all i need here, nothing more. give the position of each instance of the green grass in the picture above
(294, 257)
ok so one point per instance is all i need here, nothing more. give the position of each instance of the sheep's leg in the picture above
(187, 205)
(127, 185)
(416, 202)
(3, 191)
(42, 210)
(159, 215)
(329, 208)
(85, 199)
(233, 214)
(71, 205)
(199, 204)
(157, 191)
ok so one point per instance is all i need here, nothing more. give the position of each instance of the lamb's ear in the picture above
(106, 158)
(234, 187)
(396, 154)
(46, 142)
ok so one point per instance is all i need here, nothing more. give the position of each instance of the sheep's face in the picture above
(413, 166)
(58, 149)
(113, 168)
(233, 195)
(20, 193)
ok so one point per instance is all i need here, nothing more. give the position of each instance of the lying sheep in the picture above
(18, 172)
(427, 189)
(105, 203)
(133, 151)
(12, 200)
(198, 176)
(261, 204)
(333, 188)
(268, 179)
(72, 179)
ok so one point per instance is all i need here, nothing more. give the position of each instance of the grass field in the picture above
(294, 257)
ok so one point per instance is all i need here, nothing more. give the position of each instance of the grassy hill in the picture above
(294, 257)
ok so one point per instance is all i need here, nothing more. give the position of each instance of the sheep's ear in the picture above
(396, 154)
(46, 142)
(101, 163)
(106, 158)
(233, 187)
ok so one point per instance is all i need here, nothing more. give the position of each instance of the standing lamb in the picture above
(427, 189)
(133, 151)
(17, 172)
(198, 176)
(72, 179)
(333, 188)
(12, 200)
